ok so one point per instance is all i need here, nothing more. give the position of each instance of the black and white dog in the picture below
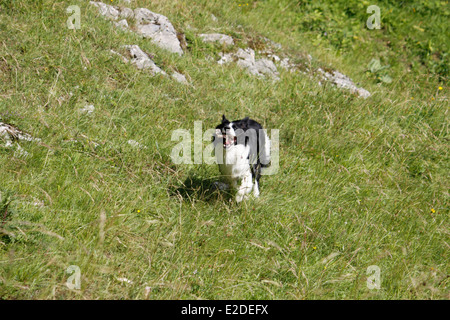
(242, 148)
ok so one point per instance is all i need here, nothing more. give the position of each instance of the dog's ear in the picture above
(224, 119)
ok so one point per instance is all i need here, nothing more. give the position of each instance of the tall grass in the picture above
(361, 182)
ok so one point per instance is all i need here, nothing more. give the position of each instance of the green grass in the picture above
(363, 179)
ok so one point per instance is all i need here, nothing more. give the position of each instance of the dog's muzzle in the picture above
(228, 139)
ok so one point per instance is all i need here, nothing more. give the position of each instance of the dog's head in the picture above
(229, 131)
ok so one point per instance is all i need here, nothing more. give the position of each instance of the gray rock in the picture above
(127, 13)
(11, 133)
(217, 37)
(158, 28)
(287, 65)
(363, 92)
(179, 77)
(245, 58)
(122, 24)
(274, 57)
(6, 135)
(246, 54)
(225, 58)
(148, 24)
(342, 81)
(106, 10)
(267, 67)
(142, 61)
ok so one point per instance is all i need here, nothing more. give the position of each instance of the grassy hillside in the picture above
(361, 182)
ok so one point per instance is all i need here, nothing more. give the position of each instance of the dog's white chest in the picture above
(235, 163)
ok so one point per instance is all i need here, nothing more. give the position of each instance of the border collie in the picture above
(246, 149)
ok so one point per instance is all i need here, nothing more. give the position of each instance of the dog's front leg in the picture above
(244, 188)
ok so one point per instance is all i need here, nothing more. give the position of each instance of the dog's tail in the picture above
(264, 151)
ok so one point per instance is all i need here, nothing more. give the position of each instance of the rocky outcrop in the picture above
(154, 26)
(160, 31)
(158, 28)
(110, 12)
(245, 58)
(217, 37)
(142, 61)
(342, 81)
(179, 77)
(122, 24)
